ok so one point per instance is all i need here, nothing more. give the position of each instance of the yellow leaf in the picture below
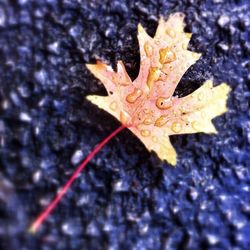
(147, 105)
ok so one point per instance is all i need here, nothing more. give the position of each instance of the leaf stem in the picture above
(40, 219)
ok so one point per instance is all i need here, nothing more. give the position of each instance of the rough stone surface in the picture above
(126, 198)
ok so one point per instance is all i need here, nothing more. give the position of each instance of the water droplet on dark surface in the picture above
(54, 47)
(223, 20)
(77, 157)
(92, 229)
(41, 76)
(120, 185)
(72, 227)
(25, 117)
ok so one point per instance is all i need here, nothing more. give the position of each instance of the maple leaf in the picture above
(147, 105)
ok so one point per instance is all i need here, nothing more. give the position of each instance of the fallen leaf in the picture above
(147, 105)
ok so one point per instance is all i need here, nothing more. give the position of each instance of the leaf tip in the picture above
(169, 155)
(91, 67)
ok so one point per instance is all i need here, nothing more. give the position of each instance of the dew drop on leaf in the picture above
(132, 97)
(195, 125)
(163, 103)
(148, 121)
(161, 121)
(167, 55)
(145, 132)
(113, 105)
(176, 127)
(148, 49)
(171, 33)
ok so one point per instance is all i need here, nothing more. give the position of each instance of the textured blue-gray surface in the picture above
(126, 198)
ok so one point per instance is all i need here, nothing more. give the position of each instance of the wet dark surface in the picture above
(126, 198)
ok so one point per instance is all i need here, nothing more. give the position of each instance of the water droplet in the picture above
(71, 227)
(163, 103)
(120, 185)
(132, 97)
(113, 105)
(157, 42)
(139, 126)
(37, 176)
(77, 157)
(196, 125)
(68, 229)
(145, 132)
(212, 239)
(25, 117)
(125, 82)
(223, 20)
(148, 121)
(41, 76)
(92, 229)
(153, 76)
(154, 139)
(148, 49)
(124, 117)
(53, 47)
(107, 227)
(183, 110)
(114, 78)
(193, 194)
(166, 55)
(161, 121)
(171, 33)
(176, 127)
